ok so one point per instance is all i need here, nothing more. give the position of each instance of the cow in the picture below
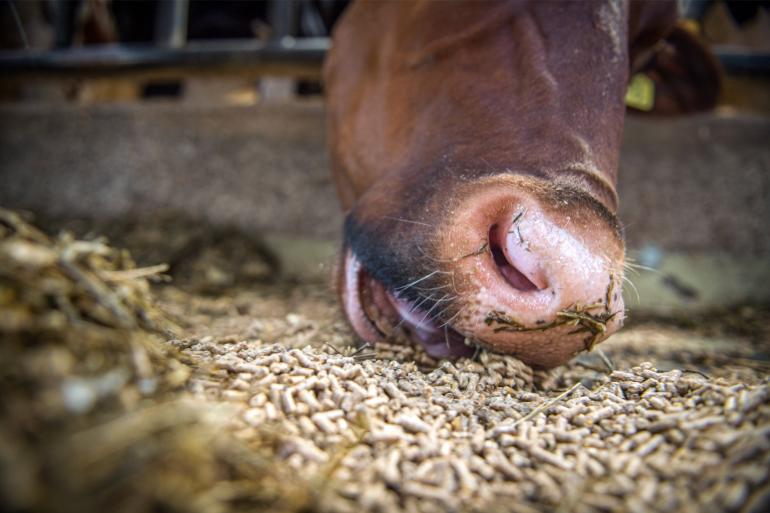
(474, 147)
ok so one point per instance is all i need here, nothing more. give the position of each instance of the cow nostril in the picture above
(510, 272)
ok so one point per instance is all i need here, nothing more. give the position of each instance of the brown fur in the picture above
(426, 100)
(426, 96)
(532, 87)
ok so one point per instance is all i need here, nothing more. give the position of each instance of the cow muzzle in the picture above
(535, 276)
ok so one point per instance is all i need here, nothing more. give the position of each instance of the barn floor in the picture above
(255, 398)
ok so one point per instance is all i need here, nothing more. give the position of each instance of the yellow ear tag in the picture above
(641, 92)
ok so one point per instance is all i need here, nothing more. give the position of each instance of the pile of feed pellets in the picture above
(392, 431)
(258, 399)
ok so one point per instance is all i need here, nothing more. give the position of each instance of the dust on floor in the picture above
(279, 411)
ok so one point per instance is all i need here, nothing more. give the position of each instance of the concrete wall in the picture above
(690, 187)
(262, 169)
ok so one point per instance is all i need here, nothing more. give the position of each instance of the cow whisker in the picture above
(412, 308)
(409, 221)
(421, 289)
(631, 284)
(446, 323)
(418, 304)
(434, 259)
(427, 314)
(439, 314)
(631, 266)
(418, 280)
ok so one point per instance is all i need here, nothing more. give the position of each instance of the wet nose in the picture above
(514, 258)
(543, 289)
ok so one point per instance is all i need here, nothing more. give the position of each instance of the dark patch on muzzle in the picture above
(396, 254)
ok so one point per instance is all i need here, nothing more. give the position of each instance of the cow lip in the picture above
(376, 313)
(439, 340)
(353, 275)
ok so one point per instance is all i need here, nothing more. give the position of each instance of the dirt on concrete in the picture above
(257, 398)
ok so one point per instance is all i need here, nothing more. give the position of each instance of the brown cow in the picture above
(475, 150)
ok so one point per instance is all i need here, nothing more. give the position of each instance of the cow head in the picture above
(475, 151)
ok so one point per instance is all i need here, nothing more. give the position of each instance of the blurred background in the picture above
(198, 127)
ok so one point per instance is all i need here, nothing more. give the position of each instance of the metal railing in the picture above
(172, 55)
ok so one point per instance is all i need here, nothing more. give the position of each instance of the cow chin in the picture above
(519, 266)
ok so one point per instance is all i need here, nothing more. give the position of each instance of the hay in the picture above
(94, 415)
(261, 403)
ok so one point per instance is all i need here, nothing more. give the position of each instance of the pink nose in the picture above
(546, 286)
(521, 271)
(515, 261)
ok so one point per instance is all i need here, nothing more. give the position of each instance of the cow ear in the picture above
(681, 76)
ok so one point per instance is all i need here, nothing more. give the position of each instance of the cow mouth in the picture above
(378, 314)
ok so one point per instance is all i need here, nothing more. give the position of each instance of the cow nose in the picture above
(544, 287)
(540, 267)
(515, 260)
